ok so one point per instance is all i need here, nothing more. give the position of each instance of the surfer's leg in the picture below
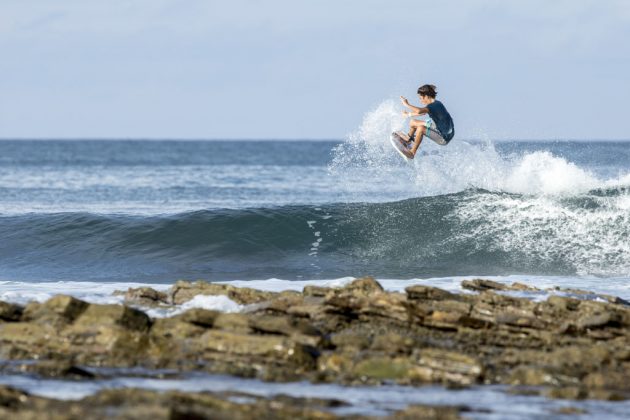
(421, 129)
(413, 127)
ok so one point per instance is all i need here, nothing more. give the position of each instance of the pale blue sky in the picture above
(310, 69)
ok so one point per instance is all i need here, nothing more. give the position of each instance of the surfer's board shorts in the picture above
(433, 134)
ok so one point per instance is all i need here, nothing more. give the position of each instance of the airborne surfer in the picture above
(438, 127)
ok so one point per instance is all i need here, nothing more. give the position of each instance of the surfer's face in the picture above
(425, 99)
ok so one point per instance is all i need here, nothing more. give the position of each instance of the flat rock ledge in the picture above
(563, 347)
(174, 405)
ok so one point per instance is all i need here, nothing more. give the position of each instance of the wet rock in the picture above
(10, 312)
(590, 295)
(516, 286)
(568, 411)
(480, 285)
(567, 393)
(420, 412)
(145, 296)
(419, 292)
(57, 369)
(142, 404)
(183, 291)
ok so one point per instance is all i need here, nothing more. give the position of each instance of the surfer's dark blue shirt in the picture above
(442, 119)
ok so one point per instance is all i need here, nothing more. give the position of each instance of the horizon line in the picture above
(218, 139)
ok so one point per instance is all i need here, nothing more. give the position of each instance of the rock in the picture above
(183, 291)
(57, 369)
(563, 303)
(364, 298)
(233, 322)
(567, 393)
(382, 368)
(437, 365)
(200, 317)
(300, 330)
(392, 343)
(531, 376)
(520, 318)
(26, 340)
(567, 411)
(610, 380)
(58, 310)
(585, 293)
(524, 287)
(315, 291)
(273, 357)
(12, 398)
(443, 314)
(145, 296)
(10, 312)
(420, 292)
(480, 285)
(421, 412)
(110, 315)
(352, 339)
(132, 403)
(357, 333)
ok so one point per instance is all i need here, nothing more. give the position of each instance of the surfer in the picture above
(438, 127)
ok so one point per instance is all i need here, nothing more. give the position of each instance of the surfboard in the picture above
(398, 141)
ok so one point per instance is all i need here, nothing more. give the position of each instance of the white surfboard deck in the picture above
(397, 141)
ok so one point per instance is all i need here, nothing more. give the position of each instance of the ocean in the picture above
(87, 217)
(157, 211)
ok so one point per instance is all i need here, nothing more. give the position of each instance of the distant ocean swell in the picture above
(470, 232)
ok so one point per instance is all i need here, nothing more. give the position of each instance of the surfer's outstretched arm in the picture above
(415, 111)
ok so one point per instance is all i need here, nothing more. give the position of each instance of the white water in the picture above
(459, 166)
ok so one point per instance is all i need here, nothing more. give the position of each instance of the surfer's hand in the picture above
(404, 100)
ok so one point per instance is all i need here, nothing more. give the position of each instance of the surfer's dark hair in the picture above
(428, 90)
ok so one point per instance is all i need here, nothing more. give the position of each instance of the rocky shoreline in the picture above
(562, 347)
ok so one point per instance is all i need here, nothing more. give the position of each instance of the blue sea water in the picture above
(87, 217)
(157, 211)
